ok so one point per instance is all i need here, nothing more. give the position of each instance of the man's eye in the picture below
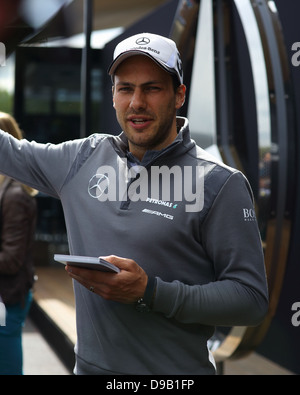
(153, 88)
(124, 89)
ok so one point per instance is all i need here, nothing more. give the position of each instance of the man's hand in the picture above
(127, 286)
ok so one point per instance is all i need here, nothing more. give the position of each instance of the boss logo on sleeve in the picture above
(249, 214)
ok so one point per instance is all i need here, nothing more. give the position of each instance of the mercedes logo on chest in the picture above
(98, 185)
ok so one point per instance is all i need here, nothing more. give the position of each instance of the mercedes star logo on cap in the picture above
(142, 41)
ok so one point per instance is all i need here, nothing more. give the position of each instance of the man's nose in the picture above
(138, 100)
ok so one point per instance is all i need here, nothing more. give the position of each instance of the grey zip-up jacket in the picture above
(205, 253)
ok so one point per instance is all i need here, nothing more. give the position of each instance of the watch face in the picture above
(141, 306)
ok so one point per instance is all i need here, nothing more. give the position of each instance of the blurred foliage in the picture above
(6, 101)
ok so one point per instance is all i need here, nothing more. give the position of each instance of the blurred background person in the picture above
(17, 229)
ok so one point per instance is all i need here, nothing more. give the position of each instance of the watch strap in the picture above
(145, 303)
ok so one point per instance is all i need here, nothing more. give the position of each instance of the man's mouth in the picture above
(139, 121)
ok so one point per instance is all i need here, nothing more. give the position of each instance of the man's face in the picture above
(146, 104)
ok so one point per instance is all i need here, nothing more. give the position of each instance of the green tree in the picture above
(6, 101)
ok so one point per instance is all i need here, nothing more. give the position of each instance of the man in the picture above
(158, 207)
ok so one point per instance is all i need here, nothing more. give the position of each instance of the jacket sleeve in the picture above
(239, 294)
(44, 167)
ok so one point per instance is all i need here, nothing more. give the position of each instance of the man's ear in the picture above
(180, 96)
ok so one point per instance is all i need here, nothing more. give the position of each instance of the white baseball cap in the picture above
(160, 49)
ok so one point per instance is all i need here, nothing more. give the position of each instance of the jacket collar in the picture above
(182, 143)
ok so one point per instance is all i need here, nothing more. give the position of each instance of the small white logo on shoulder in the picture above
(249, 214)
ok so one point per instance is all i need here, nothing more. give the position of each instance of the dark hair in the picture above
(176, 82)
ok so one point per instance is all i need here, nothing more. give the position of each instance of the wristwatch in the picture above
(144, 304)
(141, 306)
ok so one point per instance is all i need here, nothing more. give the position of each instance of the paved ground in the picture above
(39, 358)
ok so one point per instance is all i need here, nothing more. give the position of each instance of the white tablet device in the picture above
(87, 262)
